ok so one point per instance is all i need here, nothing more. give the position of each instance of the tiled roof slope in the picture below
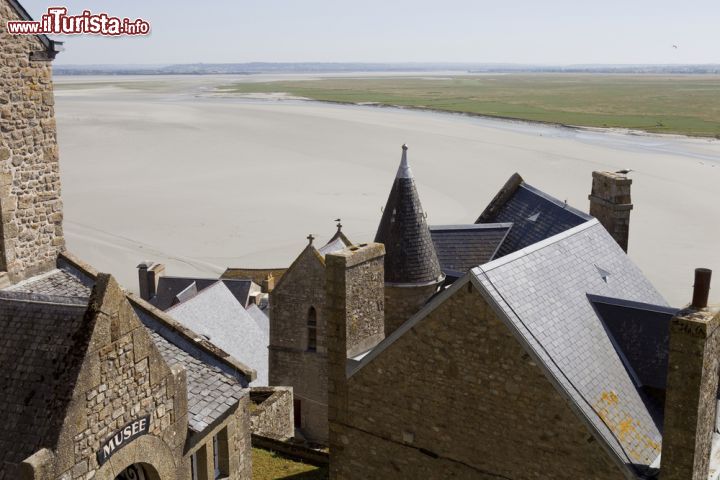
(216, 314)
(62, 282)
(170, 287)
(210, 392)
(642, 333)
(410, 255)
(462, 247)
(542, 292)
(42, 344)
(534, 214)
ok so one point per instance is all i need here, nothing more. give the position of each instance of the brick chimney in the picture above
(354, 292)
(610, 203)
(148, 277)
(692, 387)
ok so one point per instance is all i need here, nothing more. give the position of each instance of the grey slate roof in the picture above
(210, 392)
(410, 255)
(170, 287)
(641, 332)
(534, 214)
(332, 246)
(462, 247)
(61, 282)
(42, 344)
(542, 292)
(217, 314)
(261, 319)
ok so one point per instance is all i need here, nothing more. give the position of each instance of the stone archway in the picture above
(157, 459)
(138, 471)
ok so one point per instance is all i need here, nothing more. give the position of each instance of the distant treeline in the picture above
(260, 67)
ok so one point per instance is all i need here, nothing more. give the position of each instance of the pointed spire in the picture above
(404, 169)
(410, 256)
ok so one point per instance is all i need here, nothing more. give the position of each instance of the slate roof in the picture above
(42, 344)
(210, 391)
(410, 255)
(542, 291)
(641, 333)
(215, 313)
(261, 319)
(170, 287)
(462, 247)
(60, 282)
(332, 246)
(535, 215)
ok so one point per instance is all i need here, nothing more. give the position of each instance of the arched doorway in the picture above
(137, 471)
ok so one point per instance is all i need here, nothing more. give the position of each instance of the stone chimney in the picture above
(610, 203)
(692, 387)
(148, 277)
(354, 290)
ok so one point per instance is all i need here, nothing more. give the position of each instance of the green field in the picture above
(682, 104)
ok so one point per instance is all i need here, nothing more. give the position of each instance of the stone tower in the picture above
(412, 270)
(31, 233)
(610, 203)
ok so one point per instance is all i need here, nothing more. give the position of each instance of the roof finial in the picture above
(310, 238)
(339, 225)
(404, 170)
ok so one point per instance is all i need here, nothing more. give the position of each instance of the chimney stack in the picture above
(611, 204)
(354, 289)
(692, 387)
(148, 277)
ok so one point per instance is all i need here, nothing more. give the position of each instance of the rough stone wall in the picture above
(355, 282)
(273, 417)
(402, 302)
(239, 439)
(290, 363)
(457, 396)
(30, 203)
(123, 378)
(691, 398)
(610, 203)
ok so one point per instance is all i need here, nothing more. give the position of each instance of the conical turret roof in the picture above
(410, 256)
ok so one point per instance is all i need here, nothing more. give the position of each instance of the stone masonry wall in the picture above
(273, 416)
(290, 363)
(239, 437)
(30, 203)
(401, 303)
(123, 378)
(458, 396)
(610, 203)
(691, 401)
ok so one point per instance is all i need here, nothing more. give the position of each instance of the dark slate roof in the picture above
(534, 214)
(210, 392)
(641, 334)
(542, 291)
(216, 314)
(42, 344)
(462, 247)
(410, 255)
(169, 288)
(62, 282)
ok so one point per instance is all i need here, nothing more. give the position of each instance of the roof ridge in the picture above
(538, 245)
(471, 226)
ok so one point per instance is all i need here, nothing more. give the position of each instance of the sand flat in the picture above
(162, 168)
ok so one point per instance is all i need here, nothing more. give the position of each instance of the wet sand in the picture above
(162, 168)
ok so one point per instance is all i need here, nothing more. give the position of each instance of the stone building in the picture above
(97, 383)
(412, 269)
(298, 353)
(553, 358)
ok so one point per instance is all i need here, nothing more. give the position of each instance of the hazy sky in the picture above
(516, 31)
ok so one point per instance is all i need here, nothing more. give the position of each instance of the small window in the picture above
(216, 460)
(193, 466)
(312, 330)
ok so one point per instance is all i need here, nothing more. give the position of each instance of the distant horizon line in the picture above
(423, 63)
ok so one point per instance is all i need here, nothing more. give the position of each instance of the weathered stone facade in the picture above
(693, 368)
(611, 204)
(457, 396)
(30, 203)
(272, 412)
(404, 301)
(290, 361)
